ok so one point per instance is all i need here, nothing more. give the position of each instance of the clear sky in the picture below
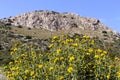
(108, 11)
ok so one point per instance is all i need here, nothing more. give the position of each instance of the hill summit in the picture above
(55, 21)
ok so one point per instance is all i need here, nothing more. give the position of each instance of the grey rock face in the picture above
(54, 21)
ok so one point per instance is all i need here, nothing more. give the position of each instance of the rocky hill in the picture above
(61, 22)
(39, 26)
(55, 21)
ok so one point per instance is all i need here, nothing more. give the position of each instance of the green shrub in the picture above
(68, 59)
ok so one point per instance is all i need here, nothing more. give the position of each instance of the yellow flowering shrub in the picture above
(68, 58)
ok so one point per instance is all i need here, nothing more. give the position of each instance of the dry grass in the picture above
(44, 34)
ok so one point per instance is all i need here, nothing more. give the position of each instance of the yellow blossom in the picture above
(12, 69)
(96, 56)
(71, 58)
(108, 76)
(61, 77)
(10, 63)
(86, 37)
(99, 50)
(116, 58)
(17, 73)
(56, 59)
(88, 53)
(92, 42)
(55, 37)
(118, 74)
(40, 66)
(90, 50)
(70, 69)
(71, 40)
(50, 46)
(11, 53)
(25, 77)
(51, 68)
(111, 66)
(75, 44)
(15, 49)
(96, 75)
(26, 71)
(104, 52)
(61, 58)
(23, 55)
(5, 67)
(58, 51)
(32, 73)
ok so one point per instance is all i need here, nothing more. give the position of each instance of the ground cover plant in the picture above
(68, 58)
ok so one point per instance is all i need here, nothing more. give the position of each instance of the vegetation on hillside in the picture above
(68, 58)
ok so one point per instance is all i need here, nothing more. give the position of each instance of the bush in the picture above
(68, 59)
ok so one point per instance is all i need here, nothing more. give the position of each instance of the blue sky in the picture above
(108, 11)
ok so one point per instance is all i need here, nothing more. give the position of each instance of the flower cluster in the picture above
(69, 58)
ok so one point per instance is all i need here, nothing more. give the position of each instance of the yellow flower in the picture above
(33, 52)
(12, 69)
(50, 46)
(118, 74)
(23, 45)
(17, 73)
(55, 37)
(51, 68)
(71, 40)
(5, 67)
(108, 76)
(26, 71)
(58, 51)
(52, 40)
(61, 58)
(25, 77)
(23, 55)
(96, 75)
(92, 42)
(116, 58)
(32, 73)
(56, 59)
(40, 66)
(77, 39)
(15, 49)
(70, 69)
(10, 63)
(11, 53)
(61, 77)
(86, 37)
(111, 66)
(96, 56)
(99, 50)
(88, 53)
(91, 71)
(104, 52)
(90, 50)
(75, 44)
(71, 58)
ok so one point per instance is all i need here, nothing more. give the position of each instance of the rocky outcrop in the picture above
(55, 21)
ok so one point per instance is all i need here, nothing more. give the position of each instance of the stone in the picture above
(55, 21)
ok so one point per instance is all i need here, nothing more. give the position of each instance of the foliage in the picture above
(68, 59)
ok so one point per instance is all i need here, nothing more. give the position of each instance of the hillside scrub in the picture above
(68, 58)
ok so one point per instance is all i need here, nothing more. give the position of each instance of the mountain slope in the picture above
(39, 26)
(52, 23)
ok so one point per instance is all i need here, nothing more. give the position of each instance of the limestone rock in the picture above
(54, 21)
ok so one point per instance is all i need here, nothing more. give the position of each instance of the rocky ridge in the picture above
(55, 21)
